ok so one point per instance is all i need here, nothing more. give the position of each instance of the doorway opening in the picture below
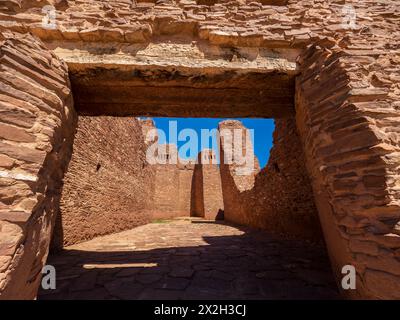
(121, 218)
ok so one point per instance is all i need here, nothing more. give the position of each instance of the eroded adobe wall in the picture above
(37, 123)
(109, 185)
(277, 198)
(348, 118)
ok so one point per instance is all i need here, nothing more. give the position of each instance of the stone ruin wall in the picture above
(277, 198)
(353, 161)
(347, 115)
(37, 125)
(186, 189)
(108, 186)
(172, 194)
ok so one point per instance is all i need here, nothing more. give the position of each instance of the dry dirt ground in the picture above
(192, 259)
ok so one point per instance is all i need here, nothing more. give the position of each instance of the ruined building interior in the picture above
(80, 81)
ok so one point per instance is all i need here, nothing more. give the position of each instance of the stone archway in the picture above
(347, 117)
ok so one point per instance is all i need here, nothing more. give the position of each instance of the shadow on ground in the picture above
(192, 260)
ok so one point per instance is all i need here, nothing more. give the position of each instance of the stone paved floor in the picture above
(192, 259)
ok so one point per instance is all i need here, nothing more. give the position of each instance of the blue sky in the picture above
(263, 129)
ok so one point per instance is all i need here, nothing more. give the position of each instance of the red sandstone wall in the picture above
(349, 124)
(185, 190)
(37, 121)
(108, 184)
(172, 191)
(185, 186)
(213, 201)
(278, 198)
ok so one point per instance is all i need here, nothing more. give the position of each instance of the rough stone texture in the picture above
(279, 197)
(230, 24)
(348, 117)
(109, 184)
(192, 260)
(347, 95)
(37, 124)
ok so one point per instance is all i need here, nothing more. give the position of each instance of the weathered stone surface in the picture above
(6, 162)
(29, 199)
(108, 186)
(23, 153)
(17, 116)
(351, 163)
(12, 133)
(172, 186)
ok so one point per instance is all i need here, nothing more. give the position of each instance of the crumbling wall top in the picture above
(354, 25)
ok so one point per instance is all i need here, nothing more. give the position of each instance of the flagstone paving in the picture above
(192, 259)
